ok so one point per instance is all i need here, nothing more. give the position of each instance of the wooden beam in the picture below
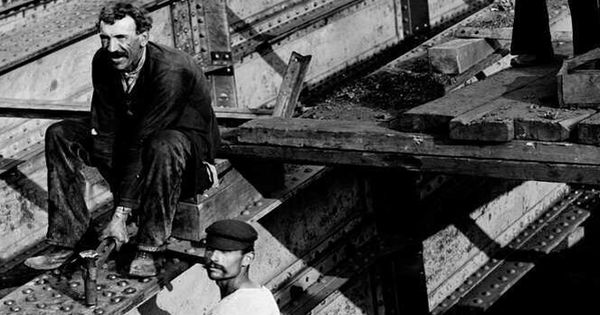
(487, 167)
(290, 88)
(367, 137)
(43, 108)
(436, 115)
(527, 113)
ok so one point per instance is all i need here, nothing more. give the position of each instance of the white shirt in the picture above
(247, 301)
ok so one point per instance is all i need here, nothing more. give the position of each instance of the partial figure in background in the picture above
(532, 41)
(229, 253)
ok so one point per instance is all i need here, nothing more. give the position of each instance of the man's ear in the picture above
(144, 37)
(247, 259)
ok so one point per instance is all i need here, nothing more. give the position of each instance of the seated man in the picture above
(229, 252)
(152, 134)
(531, 39)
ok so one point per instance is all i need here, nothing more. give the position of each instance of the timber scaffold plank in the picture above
(367, 144)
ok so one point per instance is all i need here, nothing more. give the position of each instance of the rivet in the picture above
(108, 293)
(99, 311)
(9, 302)
(27, 291)
(557, 230)
(66, 308)
(571, 217)
(542, 243)
(122, 283)
(565, 224)
(469, 282)
(512, 271)
(15, 309)
(129, 290)
(478, 301)
(56, 295)
(495, 286)
(144, 280)
(486, 293)
(111, 277)
(550, 237)
(503, 278)
(41, 305)
(116, 299)
(47, 288)
(73, 284)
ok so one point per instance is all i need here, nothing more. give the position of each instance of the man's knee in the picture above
(165, 144)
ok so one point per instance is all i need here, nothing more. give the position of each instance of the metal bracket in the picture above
(415, 16)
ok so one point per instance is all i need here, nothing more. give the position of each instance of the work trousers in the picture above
(531, 29)
(68, 145)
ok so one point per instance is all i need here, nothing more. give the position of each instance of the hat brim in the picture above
(226, 244)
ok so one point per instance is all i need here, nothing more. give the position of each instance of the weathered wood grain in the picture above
(588, 131)
(369, 137)
(435, 115)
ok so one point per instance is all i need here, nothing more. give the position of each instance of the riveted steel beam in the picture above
(484, 287)
(415, 16)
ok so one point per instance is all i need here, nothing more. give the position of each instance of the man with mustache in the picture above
(229, 252)
(152, 134)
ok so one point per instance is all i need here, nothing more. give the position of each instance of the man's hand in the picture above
(117, 227)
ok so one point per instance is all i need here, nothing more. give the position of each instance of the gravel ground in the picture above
(383, 95)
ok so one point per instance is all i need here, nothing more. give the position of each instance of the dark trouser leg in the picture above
(164, 160)
(531, 31)
(585, 17)
(66, 152)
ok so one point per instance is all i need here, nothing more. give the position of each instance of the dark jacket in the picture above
(171, 92)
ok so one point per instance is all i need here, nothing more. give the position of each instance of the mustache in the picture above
(213, 265)
(117, 54)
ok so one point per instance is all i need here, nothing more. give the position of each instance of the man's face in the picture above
(123, 45)
(223, 265)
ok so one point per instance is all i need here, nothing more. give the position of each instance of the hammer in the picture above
(95, 259)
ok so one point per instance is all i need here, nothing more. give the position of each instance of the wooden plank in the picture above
(369, 137)
(513, 168)
(291, 85)
(520, 114)
(56, 109)
(548, 123)
(436, 115)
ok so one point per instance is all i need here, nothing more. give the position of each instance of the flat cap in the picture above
(230, 235)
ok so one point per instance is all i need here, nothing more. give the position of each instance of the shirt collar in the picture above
(134, 73)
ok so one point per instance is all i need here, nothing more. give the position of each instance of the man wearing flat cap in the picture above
(229, 252)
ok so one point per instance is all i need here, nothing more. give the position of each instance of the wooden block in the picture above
(228, 200)
(588, 130)
(521, 114)
(435, 115)
(579, 87)
(456, 56)
(547, 123)
(494, 121)
(482, 124)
